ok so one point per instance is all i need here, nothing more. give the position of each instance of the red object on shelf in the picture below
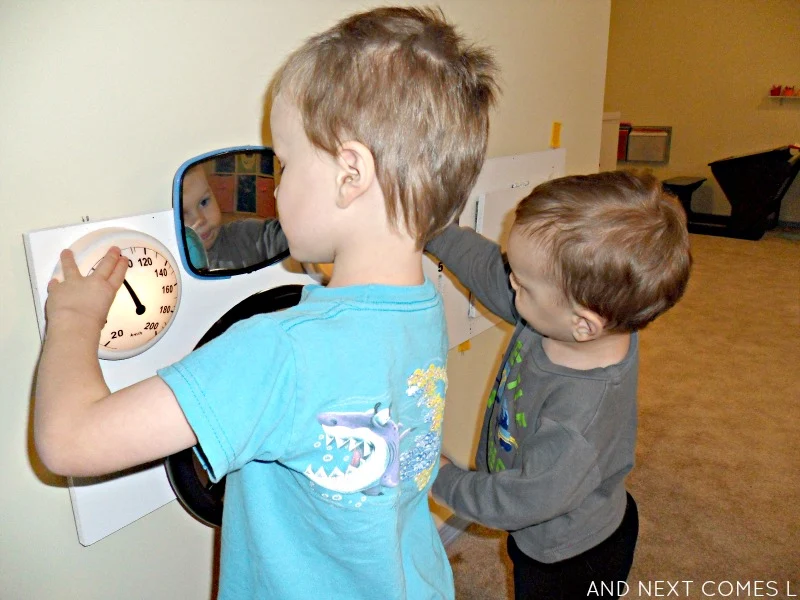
(775, 90)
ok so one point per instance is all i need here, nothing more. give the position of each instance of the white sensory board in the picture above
(104, 505)
(502, 183)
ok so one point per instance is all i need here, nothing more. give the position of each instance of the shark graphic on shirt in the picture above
(362, 449)
(373, 440)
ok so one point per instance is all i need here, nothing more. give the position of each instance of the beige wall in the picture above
(705, 67)
(100, 103)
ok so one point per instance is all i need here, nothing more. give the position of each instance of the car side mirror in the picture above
(225, 213)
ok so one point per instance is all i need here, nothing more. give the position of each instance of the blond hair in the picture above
(403, 82)
(617, 243)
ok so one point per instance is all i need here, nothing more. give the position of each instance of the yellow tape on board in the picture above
(555, 135)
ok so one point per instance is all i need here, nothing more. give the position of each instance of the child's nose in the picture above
(195, 220)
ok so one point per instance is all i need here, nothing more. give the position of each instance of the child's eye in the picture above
(204, 202)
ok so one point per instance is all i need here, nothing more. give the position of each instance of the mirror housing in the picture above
(225, 213)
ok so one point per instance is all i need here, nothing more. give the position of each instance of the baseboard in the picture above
(451, 529)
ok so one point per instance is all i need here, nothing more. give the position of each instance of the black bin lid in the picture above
(759, 179)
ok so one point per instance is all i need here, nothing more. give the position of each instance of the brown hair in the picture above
(403, 82)
(618, 243)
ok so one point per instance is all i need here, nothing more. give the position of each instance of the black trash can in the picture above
(755, 184)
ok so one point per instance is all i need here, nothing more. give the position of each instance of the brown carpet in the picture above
(717, 478)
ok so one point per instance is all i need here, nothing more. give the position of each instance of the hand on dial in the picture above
(89, 296)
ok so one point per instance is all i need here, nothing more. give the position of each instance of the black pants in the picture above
(607, 563)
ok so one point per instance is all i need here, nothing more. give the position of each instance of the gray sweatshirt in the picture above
(245, 243)
(556, 443)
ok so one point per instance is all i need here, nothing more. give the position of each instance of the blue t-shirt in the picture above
(327, 420)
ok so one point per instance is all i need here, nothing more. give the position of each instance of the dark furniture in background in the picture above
(755, 184)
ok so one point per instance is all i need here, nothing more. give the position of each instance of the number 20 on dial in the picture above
(148, 300)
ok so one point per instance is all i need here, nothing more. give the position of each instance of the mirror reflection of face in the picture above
(200, 209)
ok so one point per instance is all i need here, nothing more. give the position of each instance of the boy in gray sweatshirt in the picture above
(591, 260)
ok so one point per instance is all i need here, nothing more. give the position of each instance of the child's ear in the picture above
(587, 325)
(356, 172)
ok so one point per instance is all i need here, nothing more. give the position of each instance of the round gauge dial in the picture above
(148, 300)
(145, 304)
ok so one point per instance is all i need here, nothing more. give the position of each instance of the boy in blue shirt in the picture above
(326, 417)
(591, 260)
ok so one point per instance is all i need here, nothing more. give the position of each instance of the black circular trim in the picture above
(204, 501)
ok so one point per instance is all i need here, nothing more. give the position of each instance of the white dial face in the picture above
(145, 304)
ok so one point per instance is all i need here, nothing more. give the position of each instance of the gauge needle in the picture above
(139, 306)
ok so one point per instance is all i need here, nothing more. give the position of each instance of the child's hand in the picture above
(85, 298)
